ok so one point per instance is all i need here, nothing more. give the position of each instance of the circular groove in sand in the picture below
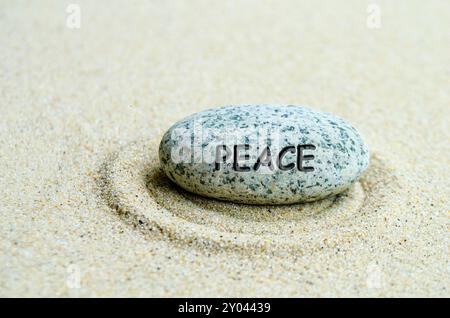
(135, 186)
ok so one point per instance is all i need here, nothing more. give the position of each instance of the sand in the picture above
(86, 211)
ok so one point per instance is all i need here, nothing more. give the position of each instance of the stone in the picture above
(263, 154)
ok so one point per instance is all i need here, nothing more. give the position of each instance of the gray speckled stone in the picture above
(233, 153)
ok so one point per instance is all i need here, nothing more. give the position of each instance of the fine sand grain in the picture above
(87, 211)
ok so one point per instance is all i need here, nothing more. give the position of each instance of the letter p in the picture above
(220, 157)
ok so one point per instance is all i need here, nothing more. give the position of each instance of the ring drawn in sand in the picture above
(135, 186)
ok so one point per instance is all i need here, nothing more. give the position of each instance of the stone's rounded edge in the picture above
(163, 158)
(345, 180)
(364, 149)
(257, 200)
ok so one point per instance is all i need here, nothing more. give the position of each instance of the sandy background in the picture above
(85, 212)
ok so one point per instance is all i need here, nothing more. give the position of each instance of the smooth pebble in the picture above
(263, 154)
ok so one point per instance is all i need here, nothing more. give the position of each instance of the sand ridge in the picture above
(134, 185)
